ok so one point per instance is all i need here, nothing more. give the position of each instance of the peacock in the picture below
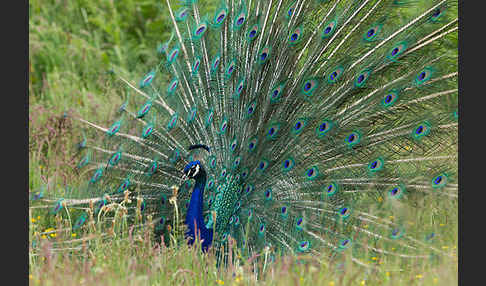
(292, 126)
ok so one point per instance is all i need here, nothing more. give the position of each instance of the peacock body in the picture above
(301, 126)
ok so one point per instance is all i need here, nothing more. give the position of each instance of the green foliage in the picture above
(71, 46)
(132, 259)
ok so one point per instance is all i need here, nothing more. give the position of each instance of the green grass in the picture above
(133, 258)
(71, 46)
(122, 262)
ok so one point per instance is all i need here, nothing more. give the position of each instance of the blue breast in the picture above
(194, 217)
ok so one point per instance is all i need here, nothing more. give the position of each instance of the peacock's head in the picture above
(193, 170)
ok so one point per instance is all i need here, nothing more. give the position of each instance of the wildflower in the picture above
(387, 273)
(392, 217)
(38, 217)
(73, 235)
(53, 234)
(32, 220)
(373, 258)
(418, 276)
(44, 236)
(331, 283)
(363, 282)
(436, 280)
(238, 278)
(40, 167)
(445, 247)
(30, 276)
(380, 199)
(365, 226)
(49, 229)
(442, 224)
(220, 282)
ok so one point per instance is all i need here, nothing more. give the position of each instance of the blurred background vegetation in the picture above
(72, 43)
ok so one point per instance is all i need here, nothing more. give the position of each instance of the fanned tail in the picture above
(327, 122)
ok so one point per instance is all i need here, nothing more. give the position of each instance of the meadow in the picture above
(72, 45)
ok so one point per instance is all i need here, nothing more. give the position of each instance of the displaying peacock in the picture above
(297, 126)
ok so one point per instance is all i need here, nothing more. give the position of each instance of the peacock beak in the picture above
(184, 177)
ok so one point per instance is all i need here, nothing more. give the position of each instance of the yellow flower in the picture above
(418, 276)
(43, 236)
(436, 280)
(392, 217)
(363, 282)
(73, 235)
(387, 273)
(331, 283)
(365, 226)
(238, 279)
(301, 280)
(393, 248)
(40, 167)
(49, 229)
(442, 224)
(380, 199)
(445, 247)
(38, 217)
(373, 258)
(53, 234)
(32, 220)
(220, 282)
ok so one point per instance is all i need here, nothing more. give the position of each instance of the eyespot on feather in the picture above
(372, 32)
(329, 29)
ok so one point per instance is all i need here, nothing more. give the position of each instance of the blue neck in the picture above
(194, 216)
